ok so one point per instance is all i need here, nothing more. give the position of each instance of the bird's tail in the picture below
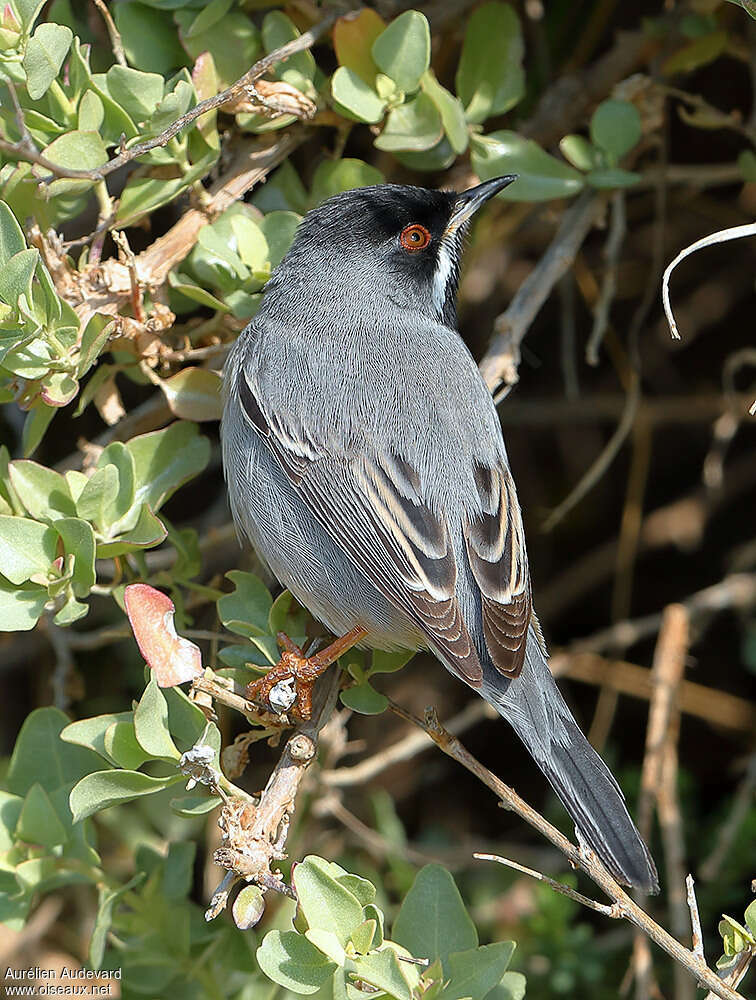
(535, 709)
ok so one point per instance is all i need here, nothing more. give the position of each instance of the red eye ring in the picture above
(414, 237)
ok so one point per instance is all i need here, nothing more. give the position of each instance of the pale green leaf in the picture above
(26, 547)
(490, 77)
(432, 921)
(402, 51)
(107, 788)
(540, 176)
(290, 960)
(151, 723)
(351, 93)
(44, 56)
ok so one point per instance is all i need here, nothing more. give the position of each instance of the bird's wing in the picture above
(496, 551)
(373, 510)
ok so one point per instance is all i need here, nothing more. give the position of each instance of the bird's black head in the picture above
(384, 242)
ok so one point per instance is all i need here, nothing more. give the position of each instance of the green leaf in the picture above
(386, 663)
(233, 42)
(149, 38)
(438, 157)
(93, 340)
(79, 541)
(251, 244)
(151, 723)
(414, 126)
(146, 533)
(451, 111)
(27, 11)
(45, 52)
(288, 616)
(185, 286)
(195, 805)
(90, 733)
(351, 93)
(43, 492)
(579, 152)
(612, 177)
(38, 822)
(166, 459)
(402, 51)
(475, 972)
(541, 177)
(382, 970)
(26, 547)
(277, 30)
(363, 698)
(138, 93)
(279, 228)
(326, 904)
(108, 788)
(511, 987)
(104, 918)
(490, 77)
(121, 745)
(77, 150)
(334, 176)
(290, 960)
(616, 127)
(96, 501)
(247, 609)
(432, 921)
(16, 277)
(39, 740)
(361, 888)
(117, 455)
(20, 608)
(11, 235)
(698, 53)
(37, 421)
(353, 39)
(249, 907)
(735, 937)
(750, 917)
(194, 394)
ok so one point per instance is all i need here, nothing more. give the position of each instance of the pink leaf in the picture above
(174, 659)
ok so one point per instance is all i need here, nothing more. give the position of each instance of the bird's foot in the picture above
(287, 687)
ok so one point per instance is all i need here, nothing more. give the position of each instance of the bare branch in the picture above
(584, 860)
(245, 84)
(502, 359)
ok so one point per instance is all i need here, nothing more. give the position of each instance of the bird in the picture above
(365, 462)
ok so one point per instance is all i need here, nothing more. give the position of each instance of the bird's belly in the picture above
(304, 557)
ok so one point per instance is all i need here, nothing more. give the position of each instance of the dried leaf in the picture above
(173, 659)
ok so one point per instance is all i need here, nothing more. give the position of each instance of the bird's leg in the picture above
(302, 670)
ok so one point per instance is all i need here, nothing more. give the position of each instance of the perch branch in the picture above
(255, 836)
(586, 861)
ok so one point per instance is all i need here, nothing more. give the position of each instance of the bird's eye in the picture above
(414, 237)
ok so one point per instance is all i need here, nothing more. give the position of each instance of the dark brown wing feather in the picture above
(496, 549)
(373, 510)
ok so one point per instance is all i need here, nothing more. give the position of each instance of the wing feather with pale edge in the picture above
(373, 510)
(496, 550)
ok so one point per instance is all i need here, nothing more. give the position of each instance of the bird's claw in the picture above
(288, 686)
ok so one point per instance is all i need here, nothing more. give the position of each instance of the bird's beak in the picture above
(470, 201)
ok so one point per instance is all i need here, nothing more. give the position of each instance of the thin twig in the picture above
(405, 749)
(613, 911)
(614, 241)
(115, 36)
(502, 359)
(695, 918)
(305, 41)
